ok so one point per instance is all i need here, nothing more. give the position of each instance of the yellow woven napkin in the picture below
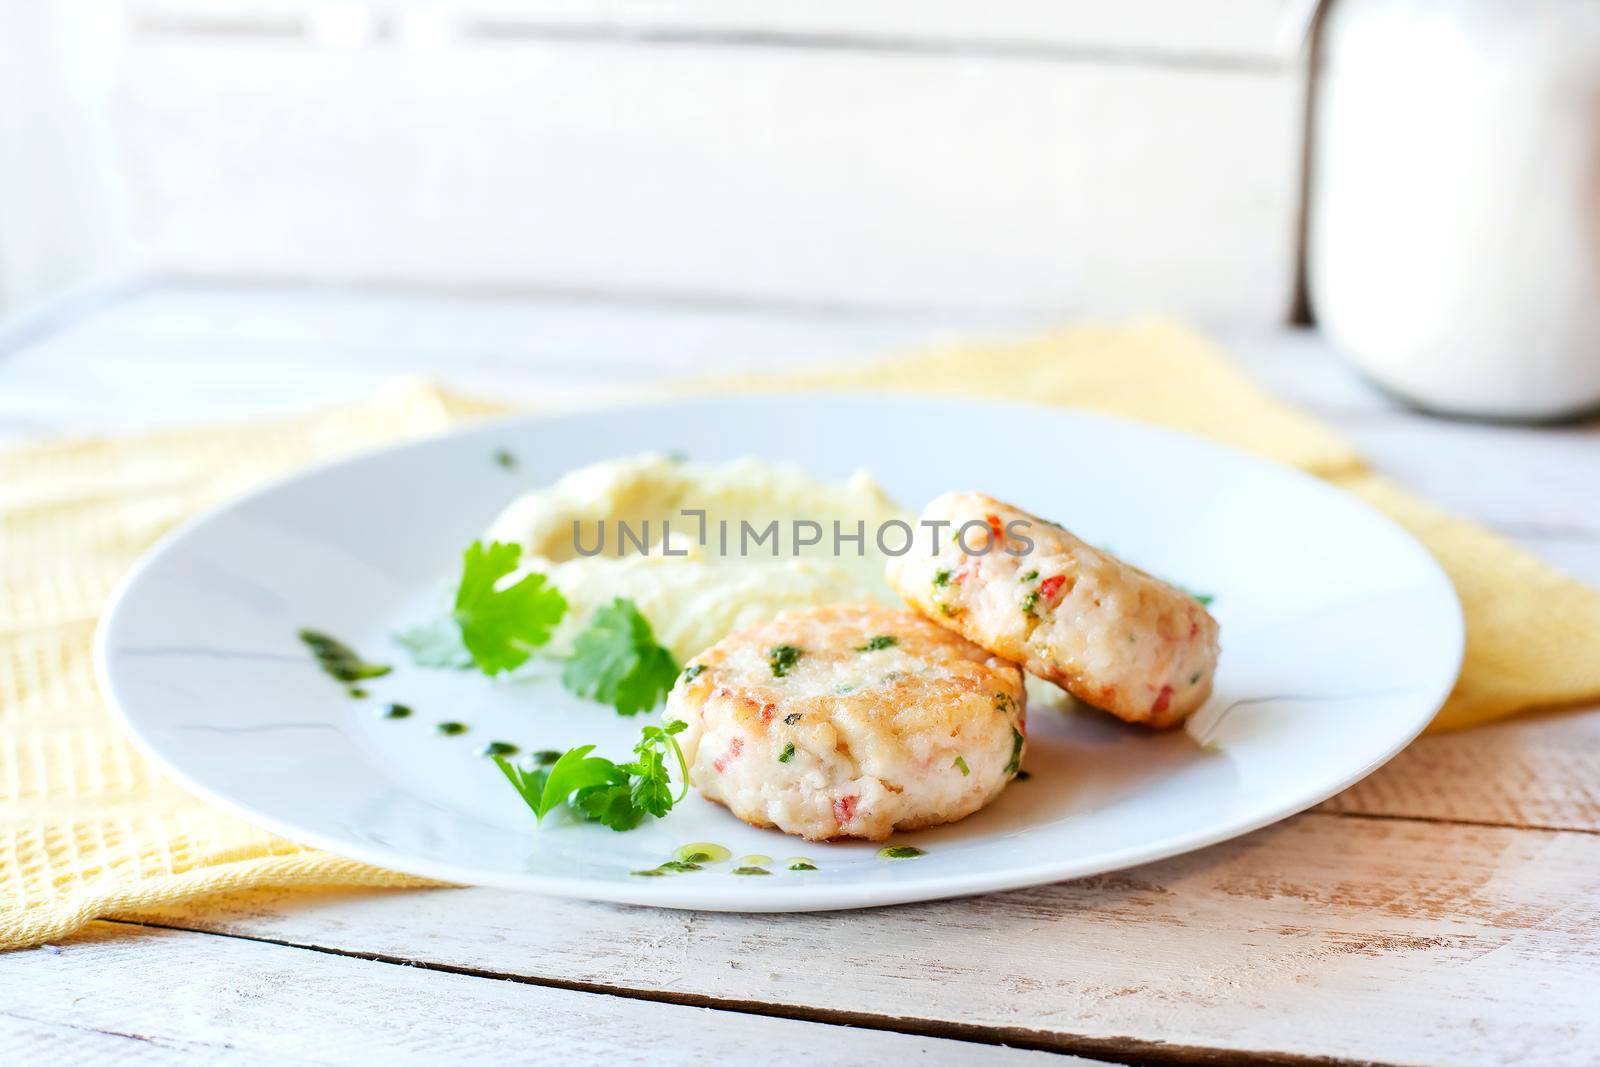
(87, 829)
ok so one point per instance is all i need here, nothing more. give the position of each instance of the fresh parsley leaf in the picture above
(610, 805)
(500, 627)
(529, 784)
(652, 789)
(435, 644)
(618, 796)
(576, 771)
(616, 661)
(577, 776)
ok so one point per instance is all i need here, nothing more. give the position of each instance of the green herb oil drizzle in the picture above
(900, 852)
(703, 852)
(341, 662)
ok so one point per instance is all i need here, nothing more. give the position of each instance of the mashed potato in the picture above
(695, 598)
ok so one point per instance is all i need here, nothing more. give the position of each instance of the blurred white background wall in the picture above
(62, 186)
(1040, 155)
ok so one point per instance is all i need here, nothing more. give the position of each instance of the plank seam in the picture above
(1443, 821)
(124, 1035)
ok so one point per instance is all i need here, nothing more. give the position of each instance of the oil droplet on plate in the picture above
(703, 852)
(900, 852)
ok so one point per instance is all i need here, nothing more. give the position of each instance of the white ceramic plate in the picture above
(1340, 638)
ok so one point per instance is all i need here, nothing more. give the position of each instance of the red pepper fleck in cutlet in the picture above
(735, 747)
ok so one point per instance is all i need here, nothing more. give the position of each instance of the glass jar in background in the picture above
(1454, 230)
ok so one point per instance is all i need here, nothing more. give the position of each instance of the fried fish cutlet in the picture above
(850, 720)
(1104, 630)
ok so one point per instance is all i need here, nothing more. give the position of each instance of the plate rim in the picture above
(704, 896)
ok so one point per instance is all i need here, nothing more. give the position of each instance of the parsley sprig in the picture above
(615, 660)
(596, 789)
(495, 627)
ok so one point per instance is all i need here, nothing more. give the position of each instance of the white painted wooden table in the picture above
(1447, 910)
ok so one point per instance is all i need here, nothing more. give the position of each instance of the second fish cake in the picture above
(1104, 630)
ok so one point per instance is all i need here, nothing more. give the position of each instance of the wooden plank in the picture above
(208, 352)
(1344, 917)
(1300, 367)
(31, 1042)
(1535, 771)
(801, 175)
(1522, 479)
(120, 994)
(1324, 937)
